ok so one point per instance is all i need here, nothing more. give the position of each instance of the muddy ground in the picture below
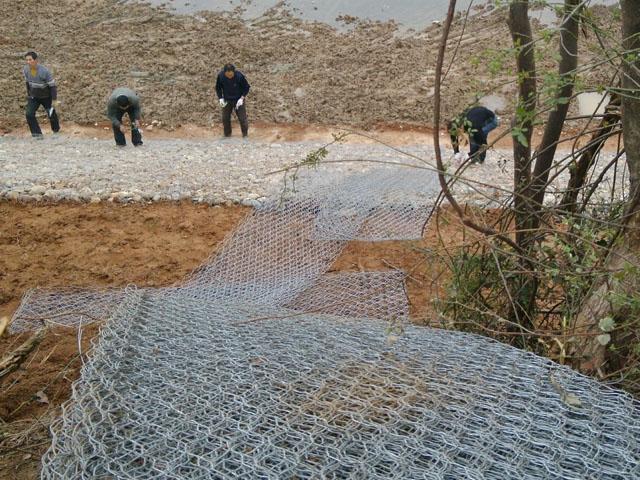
(150, 245)
(300, 72)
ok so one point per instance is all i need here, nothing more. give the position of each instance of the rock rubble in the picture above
(222, 171)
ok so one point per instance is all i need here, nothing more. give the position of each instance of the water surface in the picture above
(410, 14)
(415, 14)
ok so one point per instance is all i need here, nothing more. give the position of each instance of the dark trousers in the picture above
(241, 113)
(32, 107)
(136, 136)
(478, 140)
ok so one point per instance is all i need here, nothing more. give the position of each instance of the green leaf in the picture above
(603, 339)
(607, 324)
(522, 139)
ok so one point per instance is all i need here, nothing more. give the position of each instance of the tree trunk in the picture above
(555, 123)
(523, 121)
(631, 88)
(578, 170)
(624, 259)
(523, 286)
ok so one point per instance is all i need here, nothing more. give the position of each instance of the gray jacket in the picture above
(113, 109)
(40, 85)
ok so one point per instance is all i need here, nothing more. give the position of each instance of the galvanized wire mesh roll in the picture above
(262, 365)
(179, 388)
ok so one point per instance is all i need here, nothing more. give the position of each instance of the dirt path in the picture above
(391, 134)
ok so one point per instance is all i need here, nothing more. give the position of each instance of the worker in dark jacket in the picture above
(232, 88)
(124, 100)
(41, 90)
(477, 122)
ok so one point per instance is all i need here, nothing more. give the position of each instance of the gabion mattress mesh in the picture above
(264, 364)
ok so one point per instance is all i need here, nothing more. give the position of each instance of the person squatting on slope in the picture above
(477, 122)
(232, 88)
(124, 100)
(41, 90)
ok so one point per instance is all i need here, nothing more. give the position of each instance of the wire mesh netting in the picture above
(356, 294)
(380, 206)
(280, 251)
(263, 364)
(179, 388)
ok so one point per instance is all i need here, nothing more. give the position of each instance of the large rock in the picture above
(37, 190)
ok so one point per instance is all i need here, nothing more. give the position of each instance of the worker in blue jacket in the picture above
(477, 122)
(232, 88)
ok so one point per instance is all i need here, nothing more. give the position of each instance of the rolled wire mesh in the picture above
(179, 388)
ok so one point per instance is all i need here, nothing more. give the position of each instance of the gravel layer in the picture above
(221, 171)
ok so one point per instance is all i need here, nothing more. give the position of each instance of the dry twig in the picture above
(12, 361)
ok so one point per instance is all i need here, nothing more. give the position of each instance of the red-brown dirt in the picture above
(112, 244)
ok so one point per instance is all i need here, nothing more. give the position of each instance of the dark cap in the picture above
(122, 101)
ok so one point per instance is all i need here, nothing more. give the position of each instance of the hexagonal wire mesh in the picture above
(245, 370)
(180, 388)
(280, 252)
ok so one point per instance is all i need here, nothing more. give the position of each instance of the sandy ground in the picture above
(146, 244)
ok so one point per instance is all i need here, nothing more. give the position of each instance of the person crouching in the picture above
(124, 100)
(476, 122)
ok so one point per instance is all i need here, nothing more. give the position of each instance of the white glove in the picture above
(223, 103)
(457, 157)
(240, 102)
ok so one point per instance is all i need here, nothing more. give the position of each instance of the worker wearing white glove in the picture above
(232, 89)
(476, 122)
(41, 90)
(460, 157)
